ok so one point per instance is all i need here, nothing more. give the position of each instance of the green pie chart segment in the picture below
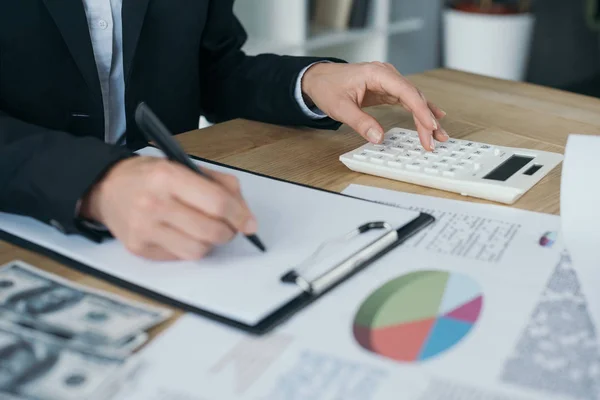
(409, 298)
(419, 315)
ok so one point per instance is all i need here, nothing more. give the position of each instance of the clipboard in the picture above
(309, 289)
(338, 274)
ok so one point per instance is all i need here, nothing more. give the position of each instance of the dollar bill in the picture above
(121, 348)
(49, 303)
(35, 366)
(129, 345)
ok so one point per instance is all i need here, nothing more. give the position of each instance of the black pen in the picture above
(156, 131)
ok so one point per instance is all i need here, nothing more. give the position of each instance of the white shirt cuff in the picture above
(315, 113)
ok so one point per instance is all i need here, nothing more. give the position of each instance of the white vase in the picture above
(485, 44)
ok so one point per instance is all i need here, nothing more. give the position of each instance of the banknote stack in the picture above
(63, 341)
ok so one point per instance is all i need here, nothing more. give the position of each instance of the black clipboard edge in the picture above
(268, 323)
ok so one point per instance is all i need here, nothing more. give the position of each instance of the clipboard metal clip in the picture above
(346, 267)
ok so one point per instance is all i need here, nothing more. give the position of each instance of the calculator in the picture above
(495, 173)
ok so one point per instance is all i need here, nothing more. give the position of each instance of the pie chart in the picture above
(418, 316)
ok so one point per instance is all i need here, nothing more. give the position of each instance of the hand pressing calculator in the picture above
(495, 173)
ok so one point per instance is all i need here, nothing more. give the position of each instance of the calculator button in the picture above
(485, 147)
(433, 171)
(395, 164)
(469, 144)
(463, 150)
(468, 160)
(416, 152)
(398, 147)
(443, 148)
(477, 153)
(361, 156)
(414, 166)
(389, 156)
(450, 173)
(452, 141)
(380, 159)
(461, 165)
(455, 156)
(381, 152)
(410, 142)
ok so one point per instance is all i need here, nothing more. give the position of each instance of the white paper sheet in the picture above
(509, 353)
(580, 213)
(236, 280)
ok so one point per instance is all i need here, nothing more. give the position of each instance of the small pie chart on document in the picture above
(418, 316)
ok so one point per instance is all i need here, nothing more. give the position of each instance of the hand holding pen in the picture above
(157, 132)
(163, 210)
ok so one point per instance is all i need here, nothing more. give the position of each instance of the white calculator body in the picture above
(495, 173)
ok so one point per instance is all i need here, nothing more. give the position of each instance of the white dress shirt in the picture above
(105, 26)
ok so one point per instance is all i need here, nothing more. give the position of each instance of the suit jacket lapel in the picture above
(72, 23)
(134, 12)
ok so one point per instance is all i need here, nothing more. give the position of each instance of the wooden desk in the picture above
(481, 109)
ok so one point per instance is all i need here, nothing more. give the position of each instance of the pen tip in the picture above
(256, 241)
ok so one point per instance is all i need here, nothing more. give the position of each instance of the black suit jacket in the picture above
(182, 57)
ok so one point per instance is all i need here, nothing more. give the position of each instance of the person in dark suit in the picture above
(73, 71)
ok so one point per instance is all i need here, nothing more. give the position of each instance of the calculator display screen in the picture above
(508, 168)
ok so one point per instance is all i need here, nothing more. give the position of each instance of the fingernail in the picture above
(374, 135)
(432, 143)
(251, 226)
(445, 134)
(435, 124)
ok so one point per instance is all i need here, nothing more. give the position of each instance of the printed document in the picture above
(483, 305)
